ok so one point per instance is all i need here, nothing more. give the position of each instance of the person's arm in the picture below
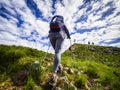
(67, 32)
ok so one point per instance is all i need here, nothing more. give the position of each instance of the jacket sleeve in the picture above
(67, 32)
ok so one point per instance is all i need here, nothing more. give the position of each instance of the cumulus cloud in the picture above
(26, 22)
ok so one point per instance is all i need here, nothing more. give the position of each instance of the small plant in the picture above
(67, 61)
(81, 80)
(2, 69)
(30, 84)
(37, 71)
(70, 87)
(3, 77)
(92, 71)
(13, 68)
(115, 84)
(97, 86)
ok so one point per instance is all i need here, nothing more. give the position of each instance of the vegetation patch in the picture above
(86, 67)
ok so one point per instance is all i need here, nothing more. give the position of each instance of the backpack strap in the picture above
(54, 27)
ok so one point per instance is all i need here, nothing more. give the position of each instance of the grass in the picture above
(94, 67)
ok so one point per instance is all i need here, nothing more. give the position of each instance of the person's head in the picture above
(58, 17)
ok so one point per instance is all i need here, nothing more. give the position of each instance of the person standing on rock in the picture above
(58, 32)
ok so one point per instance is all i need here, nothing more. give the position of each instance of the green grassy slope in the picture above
(94, 68)
(106, 55)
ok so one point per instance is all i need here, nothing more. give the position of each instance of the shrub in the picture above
(10, 56)
(92, 71)
(81, 80)
(115, 84)
(3, 77)
(13, 68)
(2, 69)
(37, 71)
(70, 87)
(30, 84)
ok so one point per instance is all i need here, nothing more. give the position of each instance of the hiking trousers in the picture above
(56, 39)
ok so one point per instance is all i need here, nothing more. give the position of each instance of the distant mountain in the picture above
(84, 67)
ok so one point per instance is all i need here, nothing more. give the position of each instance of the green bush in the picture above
(10, 56)
(37, 71)
(3, 77)
(81, 80)
(70, 87)
(92, 71)
(30, 84)
(13, 68)
(2, 69)
(115, 85)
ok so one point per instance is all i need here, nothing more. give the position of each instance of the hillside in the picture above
(88, 67)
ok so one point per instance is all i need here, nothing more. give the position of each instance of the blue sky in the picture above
(26, 22)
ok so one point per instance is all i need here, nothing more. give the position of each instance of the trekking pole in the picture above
(45, 55)
(73, 55)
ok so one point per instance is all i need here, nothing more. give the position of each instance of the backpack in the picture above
(55, 24)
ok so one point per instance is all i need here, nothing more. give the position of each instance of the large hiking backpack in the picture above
(54, 27)
(55, 24)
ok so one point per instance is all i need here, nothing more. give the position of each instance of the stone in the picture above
(58, 88)
(70, 71)
(73, 87)
(22, 77)
(64, 72)
(66, 68)
(78, 73)
(60, 68)
(92, 49)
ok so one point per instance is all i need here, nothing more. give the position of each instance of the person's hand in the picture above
(70, 48)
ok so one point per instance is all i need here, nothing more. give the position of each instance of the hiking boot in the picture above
(53, 80)
(60, 68)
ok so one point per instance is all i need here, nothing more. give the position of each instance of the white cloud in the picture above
(45, 7)
(107, 29)
(117, 3)
(8, 25)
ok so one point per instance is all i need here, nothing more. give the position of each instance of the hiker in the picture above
(92, 43)
(88, 42)
(58, 32)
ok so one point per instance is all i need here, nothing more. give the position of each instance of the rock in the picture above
(66, 68)
(92, 49)
(48, 64)
(71, 48)
(58, 88)
(63, 81)
(86, 47)
(107, 50)
(35, 65)
(115, 49)
(36, 62)
(64, 78)
(60, 68)
(78, 73)
(22, 77)
(72, 87)
(53, 81)
(70, 71)
(64, 72)
(106, 88)
(82, 71)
